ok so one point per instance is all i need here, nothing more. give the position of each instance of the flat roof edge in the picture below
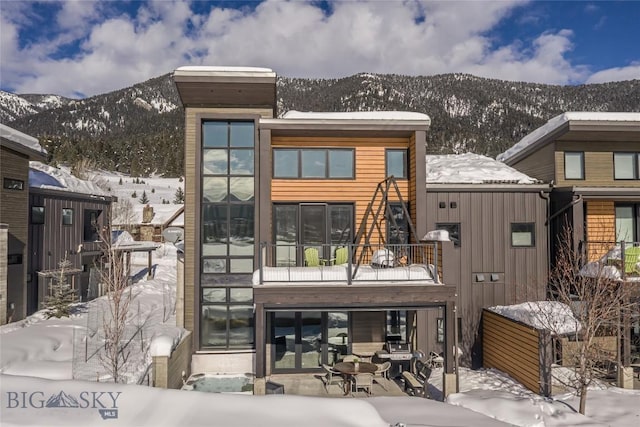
(343, 123)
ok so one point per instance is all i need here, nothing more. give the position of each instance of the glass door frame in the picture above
(324, 346)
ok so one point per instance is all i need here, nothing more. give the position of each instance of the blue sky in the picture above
(82, 48)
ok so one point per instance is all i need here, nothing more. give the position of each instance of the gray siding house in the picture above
(65, 219)
(496, 218)
(16, 150)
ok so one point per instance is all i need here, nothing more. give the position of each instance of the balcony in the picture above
(612, 260)
(348, 264)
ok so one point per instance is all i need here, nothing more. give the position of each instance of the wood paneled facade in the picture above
(515, 348)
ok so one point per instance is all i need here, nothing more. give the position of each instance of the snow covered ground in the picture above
(36, 358)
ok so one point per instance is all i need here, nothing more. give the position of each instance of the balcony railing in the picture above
(348, 264)
(615, 260)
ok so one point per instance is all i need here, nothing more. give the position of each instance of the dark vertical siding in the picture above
(485, 219)
(51, 242)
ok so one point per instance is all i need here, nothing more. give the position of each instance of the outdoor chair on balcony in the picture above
(342, 256)
(311, 257)
(631, 259)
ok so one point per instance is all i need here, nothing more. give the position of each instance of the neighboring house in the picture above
(147, 222)
(272, 280)
(592, 160)
(496, 217)
(16, 149)
(66, 217)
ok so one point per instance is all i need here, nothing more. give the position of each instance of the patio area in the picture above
(313, 385)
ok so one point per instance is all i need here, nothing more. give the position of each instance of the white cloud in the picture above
(292, 37)
(630, 72)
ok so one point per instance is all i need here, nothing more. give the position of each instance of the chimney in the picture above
(147, 214)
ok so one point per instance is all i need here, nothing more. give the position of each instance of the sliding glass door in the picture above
(627, 222)
(323, 226)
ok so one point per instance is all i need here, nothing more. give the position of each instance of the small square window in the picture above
(574, 165)
(625, 165)
(67, 216)
(523, 234)
(454, 231)
(397, 163)
(37, 214)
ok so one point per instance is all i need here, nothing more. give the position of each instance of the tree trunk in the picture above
(583, 398)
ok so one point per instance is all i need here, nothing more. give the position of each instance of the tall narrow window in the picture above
(228, 193)
(628, 222)
(574, 165)
(397, 163)
(37, 214)
(92, 224)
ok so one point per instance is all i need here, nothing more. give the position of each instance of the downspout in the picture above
(547, 199)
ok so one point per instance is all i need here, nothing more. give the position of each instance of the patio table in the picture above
(348, 371)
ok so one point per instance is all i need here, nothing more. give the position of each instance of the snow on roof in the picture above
(560, 120)
(356, 115)
(470, 168)
(548, 315)
(23, 139)
(202, 70)
(51, 178)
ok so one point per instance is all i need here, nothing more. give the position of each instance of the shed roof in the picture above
(561, 124)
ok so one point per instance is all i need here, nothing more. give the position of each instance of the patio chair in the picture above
(331, 377)
(363, 381)
(311, 257)
(342, 255)
(631, 259)
(381, 376)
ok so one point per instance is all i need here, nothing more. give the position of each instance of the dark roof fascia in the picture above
(63, 194)
(602, 192)
(488, 188)
(538, 144)
(19, 148)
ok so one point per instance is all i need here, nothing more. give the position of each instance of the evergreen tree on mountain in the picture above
(144, 199)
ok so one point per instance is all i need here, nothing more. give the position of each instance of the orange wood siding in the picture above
(413, 185)
(369, 172)
(512, 348)
(601, 227)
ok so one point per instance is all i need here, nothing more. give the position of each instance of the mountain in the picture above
(140, 129)
(62, 400)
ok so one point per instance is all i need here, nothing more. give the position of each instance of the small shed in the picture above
(517, 339)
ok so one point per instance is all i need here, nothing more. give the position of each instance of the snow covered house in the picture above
(66, 215)
(299, 248)
(16, 149)
(496, 217)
